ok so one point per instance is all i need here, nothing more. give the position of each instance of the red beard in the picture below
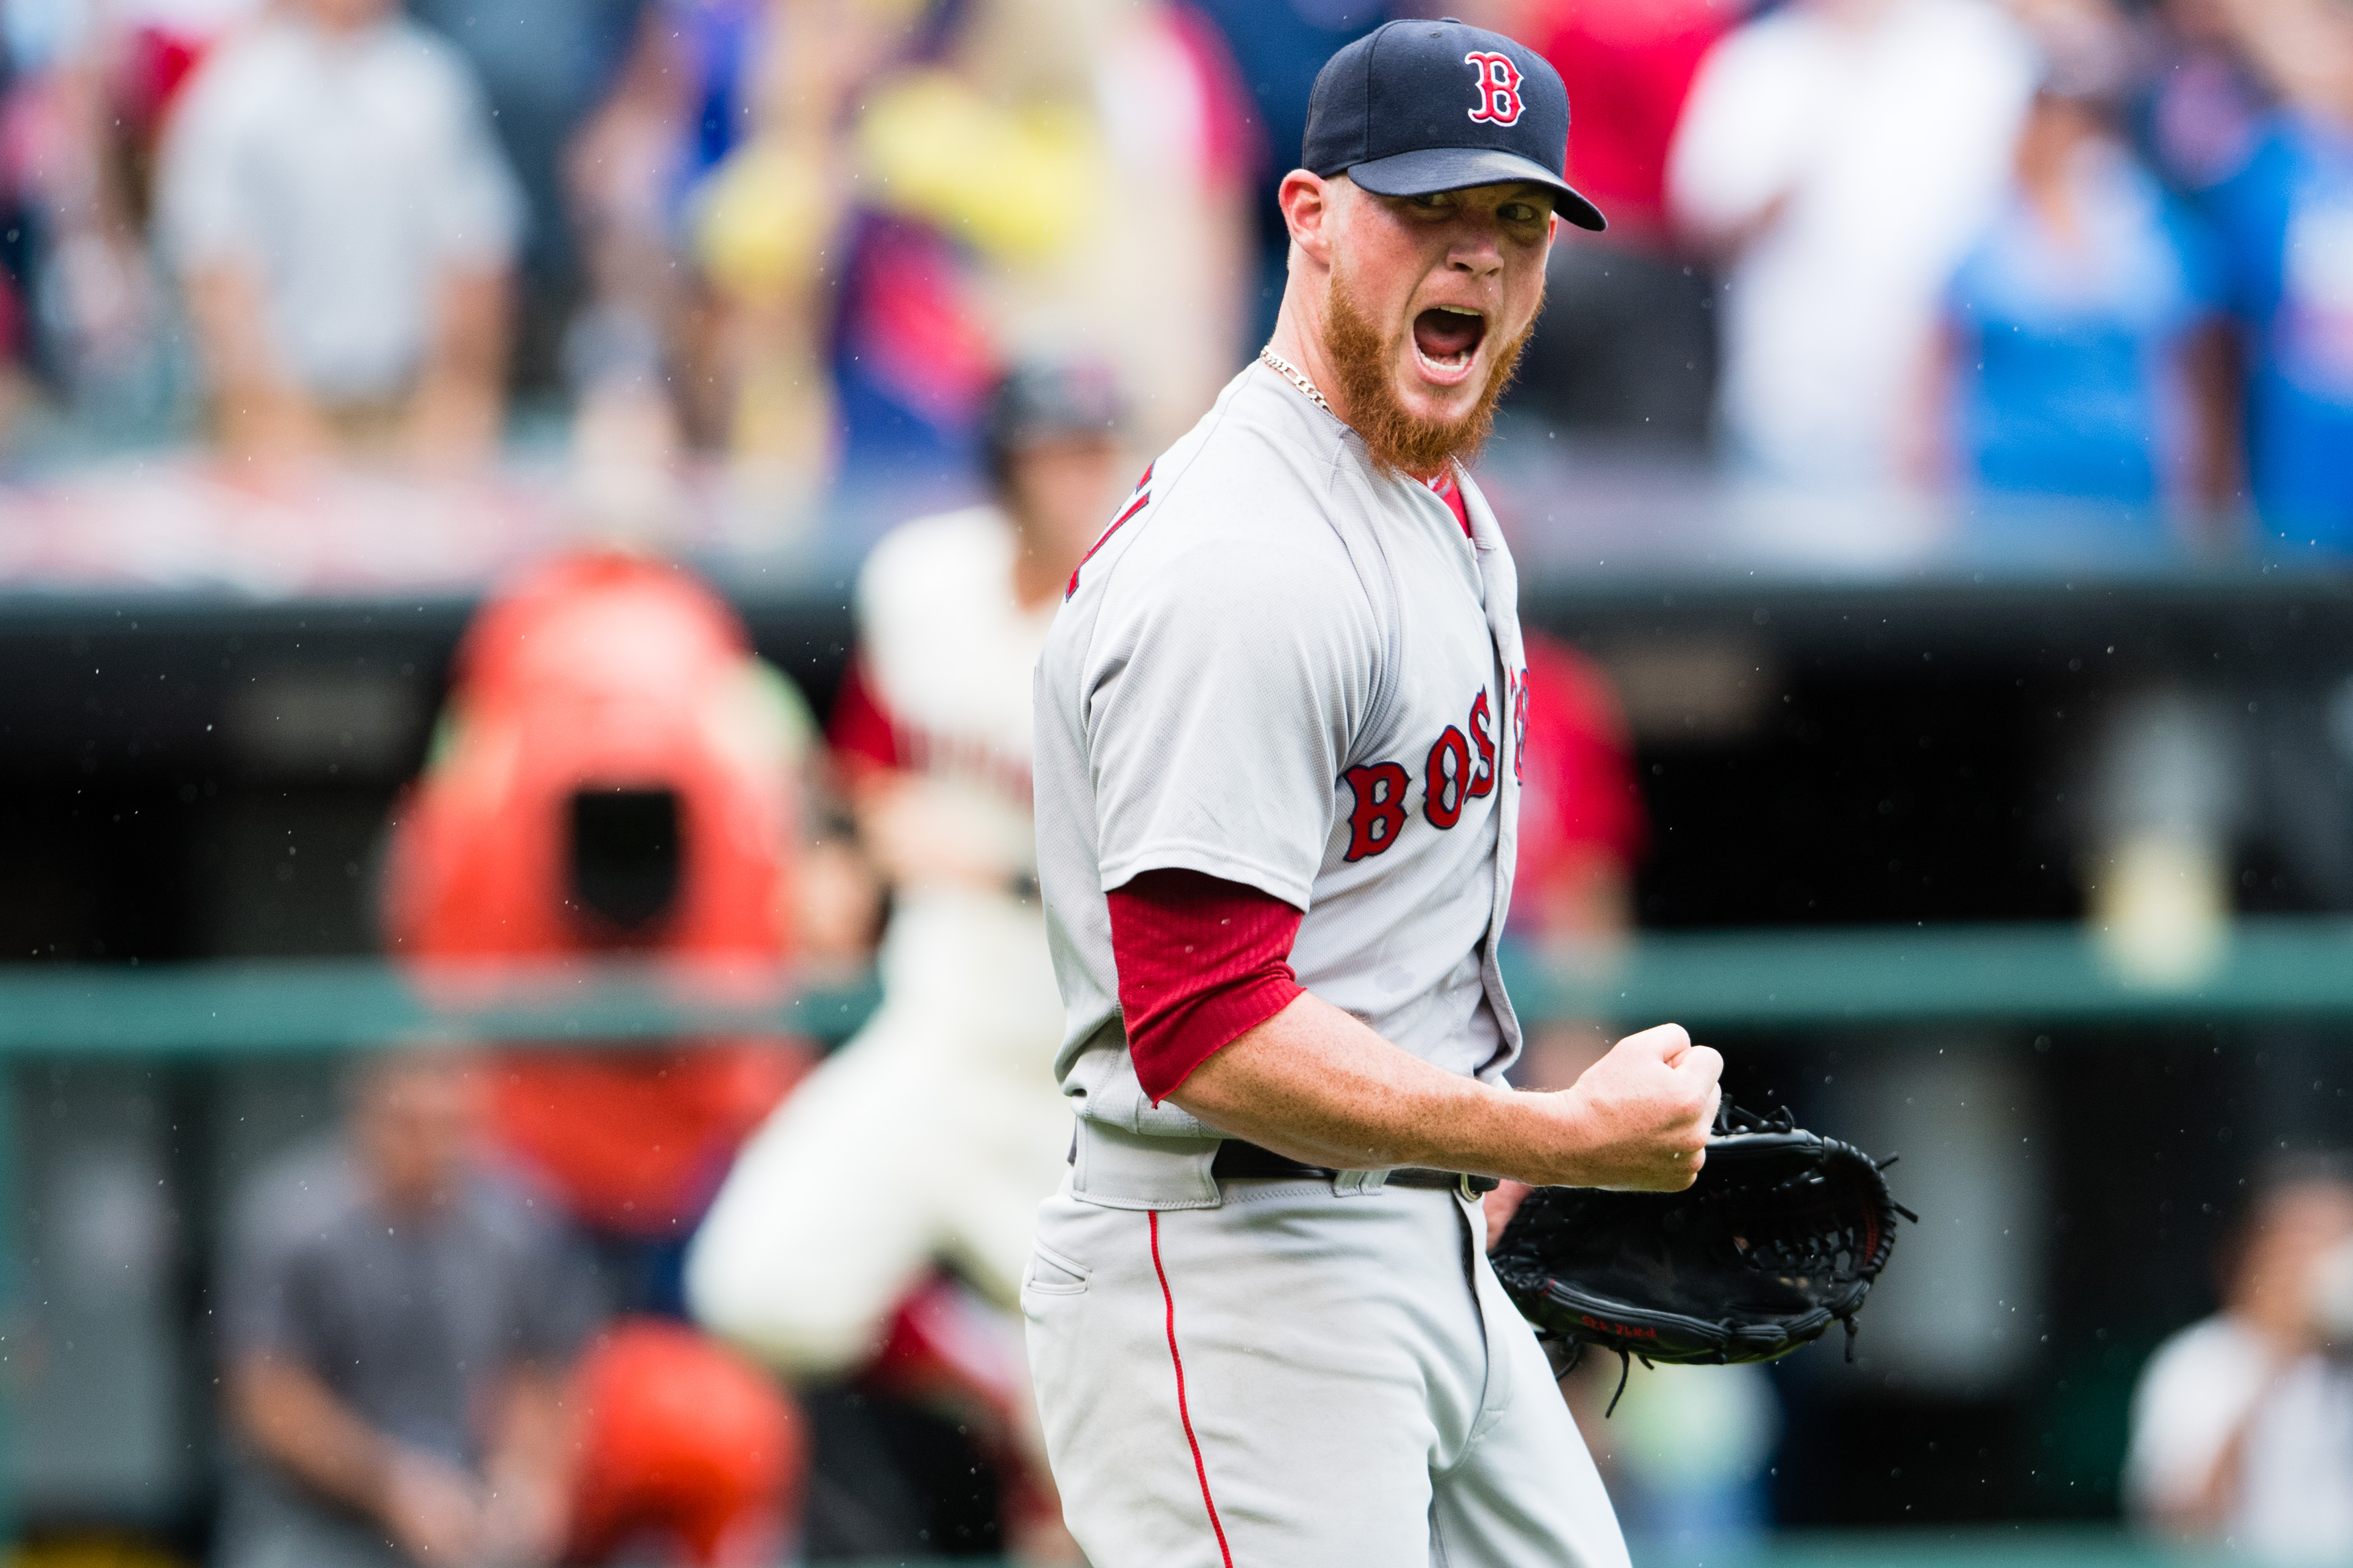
(1400, 442)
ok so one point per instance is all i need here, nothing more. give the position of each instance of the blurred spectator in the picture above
(1841, 156)
(757, 96)
(399, 1329)
(84, 85)
(544, 65)
(636, 356)
(2083, 357)
(2287, 223)
(1628, 339)
(344, 227)
(2242, 1425)
(945, 1102)
(907, 216)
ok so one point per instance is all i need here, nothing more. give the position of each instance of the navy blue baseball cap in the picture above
(1414, 108)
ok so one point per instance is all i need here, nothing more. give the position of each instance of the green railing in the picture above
(2269, 967)
(238, 1008)
(1749, 980)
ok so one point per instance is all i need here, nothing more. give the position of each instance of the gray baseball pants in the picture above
(1300, 1377)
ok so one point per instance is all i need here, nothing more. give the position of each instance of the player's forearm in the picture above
(1314, 1083)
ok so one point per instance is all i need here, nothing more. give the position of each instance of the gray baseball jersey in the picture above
(1281, 668)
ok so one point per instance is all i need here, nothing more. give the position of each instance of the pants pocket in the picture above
(1051, 1274)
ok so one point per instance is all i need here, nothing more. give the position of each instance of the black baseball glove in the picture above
(1781, 1236)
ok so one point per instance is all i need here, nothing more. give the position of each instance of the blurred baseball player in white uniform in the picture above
(1279, 723)
(930, 1135)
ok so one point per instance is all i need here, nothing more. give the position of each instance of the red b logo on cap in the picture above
(1499, 87)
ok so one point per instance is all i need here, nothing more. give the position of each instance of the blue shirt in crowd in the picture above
(2287, 222)
(2069, 345)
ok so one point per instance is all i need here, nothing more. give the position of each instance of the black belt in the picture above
(1238, 1161)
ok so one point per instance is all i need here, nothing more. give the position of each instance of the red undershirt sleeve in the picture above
(1201, 962)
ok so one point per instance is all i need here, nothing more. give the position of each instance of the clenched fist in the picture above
(1637, 1120)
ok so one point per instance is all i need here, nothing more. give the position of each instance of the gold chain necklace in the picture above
(1281, 367)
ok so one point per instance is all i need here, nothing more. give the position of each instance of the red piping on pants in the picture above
(1184, 1412)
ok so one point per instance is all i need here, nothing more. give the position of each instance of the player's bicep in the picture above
(1217, 719)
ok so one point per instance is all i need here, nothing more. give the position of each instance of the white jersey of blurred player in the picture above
(932, 1133)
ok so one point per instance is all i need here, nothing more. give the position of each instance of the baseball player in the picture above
(1279, 724)
(932, 1134)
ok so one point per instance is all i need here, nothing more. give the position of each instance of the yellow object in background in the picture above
(762, 221)
(1012, 181)
(2161, 906)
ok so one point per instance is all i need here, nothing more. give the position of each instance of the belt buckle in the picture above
(1463, 1185)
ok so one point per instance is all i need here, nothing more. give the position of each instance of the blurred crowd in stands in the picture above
(805, 236)
(2091, 252)
(2060, 250)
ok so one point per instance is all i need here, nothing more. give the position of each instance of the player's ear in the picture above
(1307, 203)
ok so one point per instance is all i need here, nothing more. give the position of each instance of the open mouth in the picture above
(1447, 336)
